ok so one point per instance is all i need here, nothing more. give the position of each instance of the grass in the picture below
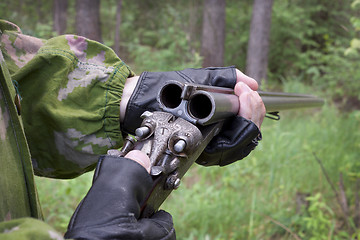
(59, 198)
(254, 198)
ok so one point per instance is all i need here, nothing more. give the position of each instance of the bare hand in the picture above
(251, 105)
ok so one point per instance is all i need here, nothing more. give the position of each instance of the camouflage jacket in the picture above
(70, 90)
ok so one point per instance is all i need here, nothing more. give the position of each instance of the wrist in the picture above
(129, 88)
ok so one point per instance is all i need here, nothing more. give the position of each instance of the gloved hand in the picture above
(111, 208)
(238, 136)
(144, 95)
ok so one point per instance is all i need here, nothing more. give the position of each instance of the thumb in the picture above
(140, 157)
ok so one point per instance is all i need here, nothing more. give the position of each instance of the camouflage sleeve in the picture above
(27, 228)
(71, 89)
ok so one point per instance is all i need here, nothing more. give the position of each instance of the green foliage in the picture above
(336, 74)
(352, 168)
(320, 223)
(310, 40)
(157, 39)
(59, 198)
(33, 17)
(156, 53)
(354, 48)
(238, 16)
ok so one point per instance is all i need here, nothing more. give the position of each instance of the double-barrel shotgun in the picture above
(191, 116)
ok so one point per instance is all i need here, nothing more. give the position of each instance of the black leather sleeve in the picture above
(236, 140)
(149, 84)
(111, 208)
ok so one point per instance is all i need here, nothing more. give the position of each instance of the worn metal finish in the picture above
(172, 144)
(163, 132)
(179, 146)
(142, 131)
(127, 147)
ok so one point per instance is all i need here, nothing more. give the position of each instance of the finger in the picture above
(241, 77)
(259, 109)
(241, 88)
(245, 109)
(252, 107)
(141, 158)
(129, 88)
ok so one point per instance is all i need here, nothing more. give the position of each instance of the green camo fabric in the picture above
(71, 89)
(18, 197)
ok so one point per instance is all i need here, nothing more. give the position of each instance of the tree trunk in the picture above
(117, 28)
(39, 10)
(88, 19)
(60, 16)
(259, 40)
(213, 33)
(194, 25)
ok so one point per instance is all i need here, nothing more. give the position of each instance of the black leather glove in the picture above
(237, 138)
(149, 84)
(111, 208)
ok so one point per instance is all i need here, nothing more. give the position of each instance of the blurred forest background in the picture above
(303, 181)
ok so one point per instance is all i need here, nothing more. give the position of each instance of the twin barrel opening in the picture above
(198, 103)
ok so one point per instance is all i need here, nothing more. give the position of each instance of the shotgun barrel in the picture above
(204, 105)
(277, 101)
